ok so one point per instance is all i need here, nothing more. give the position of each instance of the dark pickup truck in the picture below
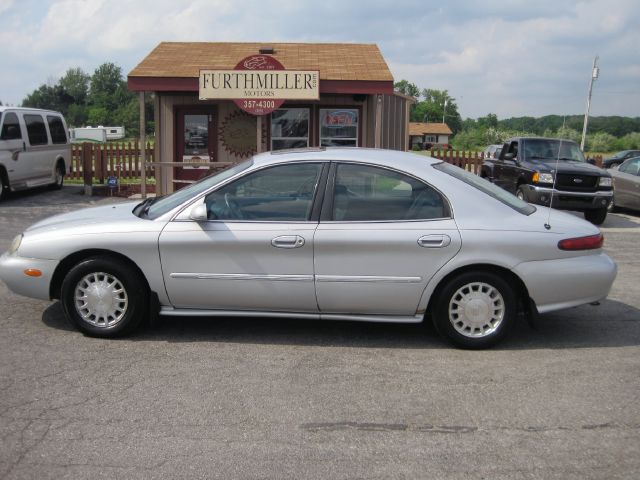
(551, 172)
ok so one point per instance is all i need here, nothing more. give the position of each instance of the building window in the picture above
(338, 127)
(290, 128)
(430, 138)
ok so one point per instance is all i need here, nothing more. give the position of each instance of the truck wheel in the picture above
(596, 216)
(520, 194)
(4, 183)
(59, 176)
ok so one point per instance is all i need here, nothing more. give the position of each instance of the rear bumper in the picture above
(12, 269)
(576, 281)
(568, 200)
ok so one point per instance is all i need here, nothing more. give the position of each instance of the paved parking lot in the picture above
(249, 398)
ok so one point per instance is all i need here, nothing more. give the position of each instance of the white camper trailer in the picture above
(96, 134)
(88, 134)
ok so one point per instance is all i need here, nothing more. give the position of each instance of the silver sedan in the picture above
(336, 234)
(626, 181)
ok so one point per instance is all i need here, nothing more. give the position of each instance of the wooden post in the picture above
(378, 129)
(258, 133)
(143, 150)
(87, 168)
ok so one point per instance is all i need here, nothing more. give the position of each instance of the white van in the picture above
(34, 148)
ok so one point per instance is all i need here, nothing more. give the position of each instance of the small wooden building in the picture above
(426, 135)
(354, 103)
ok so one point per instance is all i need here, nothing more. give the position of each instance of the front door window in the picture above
(195, 144)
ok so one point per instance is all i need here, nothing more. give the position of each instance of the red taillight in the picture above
(582, 243)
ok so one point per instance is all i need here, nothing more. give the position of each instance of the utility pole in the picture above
(595, 72)
(444, 109)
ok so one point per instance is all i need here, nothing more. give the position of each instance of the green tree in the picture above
(490, 121)
(98, 116)
(436, 104)
(407, 88)
(75, 83)
(600, 142)
(108, 88)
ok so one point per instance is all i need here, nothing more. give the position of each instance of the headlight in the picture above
(542, 177)
(605, 182)
(15, 244)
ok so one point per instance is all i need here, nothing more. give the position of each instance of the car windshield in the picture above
(486, 187)
(552, 149)
(155, 207)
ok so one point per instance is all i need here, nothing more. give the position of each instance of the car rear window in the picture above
(486, 187)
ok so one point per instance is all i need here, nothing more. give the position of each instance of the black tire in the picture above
(521, 194)
(596, 216)
(104, 318)
(612, 206)
(486, 290)
(4, 183)
(59, 179)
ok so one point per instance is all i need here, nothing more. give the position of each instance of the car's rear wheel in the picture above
(104, 297)
(596, 216)
(475, 309)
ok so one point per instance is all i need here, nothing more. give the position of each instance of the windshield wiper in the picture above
(143, 207)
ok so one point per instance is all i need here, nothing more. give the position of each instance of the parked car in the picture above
(620, 157)
(626, 180)
(551, 172)
(492, 151)
(34, 148)
(335, 234)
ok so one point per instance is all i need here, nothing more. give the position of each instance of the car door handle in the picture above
(434, 241)
(288, 241)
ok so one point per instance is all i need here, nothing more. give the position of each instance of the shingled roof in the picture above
(421, 128)
(182, 61)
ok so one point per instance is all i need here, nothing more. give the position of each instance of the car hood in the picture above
(89, 220)
(563, 166)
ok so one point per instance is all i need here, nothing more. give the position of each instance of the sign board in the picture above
(259, 84)
(112, 182)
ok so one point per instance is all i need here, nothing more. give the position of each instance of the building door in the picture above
(196, 143)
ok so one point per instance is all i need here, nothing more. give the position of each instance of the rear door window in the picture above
(10, 127)
(36, 130)
(56, 129)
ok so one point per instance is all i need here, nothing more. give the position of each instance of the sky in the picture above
(508, 57)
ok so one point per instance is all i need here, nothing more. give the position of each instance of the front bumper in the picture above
(12, 269)
(576, 280)
(567, 200)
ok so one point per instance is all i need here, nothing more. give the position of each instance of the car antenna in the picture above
(555, 177)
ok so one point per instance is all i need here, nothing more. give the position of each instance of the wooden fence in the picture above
(120, 160)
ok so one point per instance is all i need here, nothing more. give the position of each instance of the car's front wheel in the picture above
(475, 309)
(596, 216)
(104, 297)
(520, 193)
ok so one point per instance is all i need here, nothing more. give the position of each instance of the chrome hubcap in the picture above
(101, 299)
(476, 310)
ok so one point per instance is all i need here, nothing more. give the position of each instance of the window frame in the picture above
(4, 123)
(316, 202)
(309, 129)
(357, 108)
(44, 126)
(57, 118)
(326, 214)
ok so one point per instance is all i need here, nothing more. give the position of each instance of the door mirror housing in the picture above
(199, 213)
(509, 156)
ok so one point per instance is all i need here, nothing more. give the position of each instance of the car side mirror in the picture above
(199, 213)
(592, 161)
(509, 156)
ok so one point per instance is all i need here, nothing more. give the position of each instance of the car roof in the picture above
(403, 160)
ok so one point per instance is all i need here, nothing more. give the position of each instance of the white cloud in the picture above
(507, 57)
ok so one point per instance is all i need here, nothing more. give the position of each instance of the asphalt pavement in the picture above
(261, 398)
